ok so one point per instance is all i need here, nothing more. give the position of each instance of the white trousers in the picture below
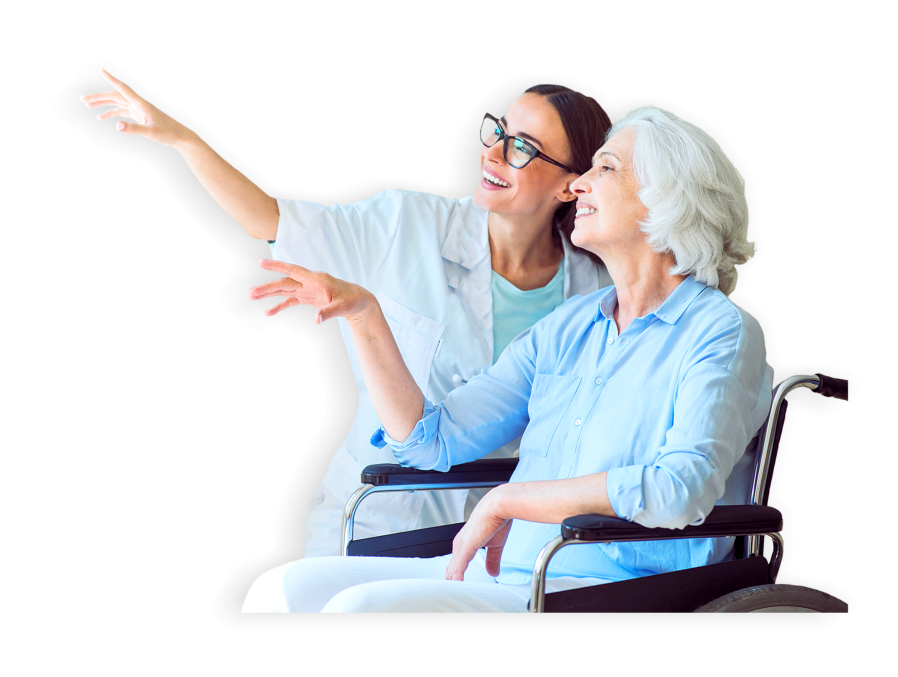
(380, 584)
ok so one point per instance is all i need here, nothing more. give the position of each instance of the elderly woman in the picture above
(636, 401)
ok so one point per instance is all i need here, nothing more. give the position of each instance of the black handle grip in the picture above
(832, 387)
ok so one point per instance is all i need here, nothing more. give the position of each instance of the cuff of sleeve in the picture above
(624, 487)
(422, 432)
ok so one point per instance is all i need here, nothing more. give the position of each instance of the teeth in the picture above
(583, 211)
(493, 179)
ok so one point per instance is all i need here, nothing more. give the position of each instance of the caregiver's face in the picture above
(540, 185)
(608, 207)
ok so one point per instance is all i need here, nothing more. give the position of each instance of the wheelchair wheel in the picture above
(775, 599)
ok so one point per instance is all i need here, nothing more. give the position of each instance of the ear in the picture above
(566, 194)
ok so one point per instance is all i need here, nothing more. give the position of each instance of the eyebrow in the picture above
(603, 154)
(523, 135)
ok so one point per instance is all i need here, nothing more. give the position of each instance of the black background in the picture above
(235, 416)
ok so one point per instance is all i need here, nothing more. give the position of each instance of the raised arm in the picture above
(244, 201)
(396, 397)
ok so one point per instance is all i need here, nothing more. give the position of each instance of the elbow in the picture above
(675, 500)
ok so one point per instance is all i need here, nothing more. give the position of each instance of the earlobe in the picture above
(567, 195)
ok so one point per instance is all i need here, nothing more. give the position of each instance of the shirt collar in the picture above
(670, 311)
(467, 242)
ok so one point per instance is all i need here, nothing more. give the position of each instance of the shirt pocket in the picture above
(550, 398)
(416, 335)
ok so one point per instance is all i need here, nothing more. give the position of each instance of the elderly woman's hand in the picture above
(486, 527)
(332, 297)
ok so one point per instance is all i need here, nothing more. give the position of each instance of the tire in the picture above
(775, 599)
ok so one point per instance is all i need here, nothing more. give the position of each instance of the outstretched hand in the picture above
(332, 297)
(149, 121)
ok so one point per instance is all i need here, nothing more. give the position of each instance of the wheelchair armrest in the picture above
(723, 520)
(496, 470)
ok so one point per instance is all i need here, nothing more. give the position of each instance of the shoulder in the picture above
(726, 336)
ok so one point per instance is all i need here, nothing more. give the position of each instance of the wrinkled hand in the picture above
(332, 297)
(149, 121)
(484, 528)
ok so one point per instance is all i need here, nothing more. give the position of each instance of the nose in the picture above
(580, 185)
(494, 153)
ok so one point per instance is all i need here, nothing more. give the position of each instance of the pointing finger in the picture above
(120, 86)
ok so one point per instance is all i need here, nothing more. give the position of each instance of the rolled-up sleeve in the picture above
(714, 419)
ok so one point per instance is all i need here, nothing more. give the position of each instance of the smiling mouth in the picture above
(584, 211)
(493, 180)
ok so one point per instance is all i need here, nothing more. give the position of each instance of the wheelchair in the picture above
(746, 583)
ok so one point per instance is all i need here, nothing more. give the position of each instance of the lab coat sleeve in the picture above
(475, 419)
(349, 242)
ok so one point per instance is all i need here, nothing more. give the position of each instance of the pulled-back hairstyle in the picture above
(694, 195)
(585, 123)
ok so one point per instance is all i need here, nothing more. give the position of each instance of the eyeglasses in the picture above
(520, 152)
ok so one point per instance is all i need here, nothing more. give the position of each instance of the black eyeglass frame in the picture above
(537, 153)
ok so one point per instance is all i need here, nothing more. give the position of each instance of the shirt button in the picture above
(578, 422)
(611, 340)
(599, 381)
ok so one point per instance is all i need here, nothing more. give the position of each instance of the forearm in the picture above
(552, 501)
(397, 399)
(244, 201)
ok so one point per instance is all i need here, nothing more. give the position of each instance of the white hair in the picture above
(694, 195)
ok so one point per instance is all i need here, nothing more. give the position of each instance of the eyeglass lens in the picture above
(519, 152)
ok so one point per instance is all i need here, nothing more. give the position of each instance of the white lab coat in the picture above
(427, 260)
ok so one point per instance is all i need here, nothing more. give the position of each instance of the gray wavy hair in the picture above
(694, 195)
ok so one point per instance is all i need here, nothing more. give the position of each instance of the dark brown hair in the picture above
(585, 123)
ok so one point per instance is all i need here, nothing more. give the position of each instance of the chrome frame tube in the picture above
(762, 464)
(366, 489)
(538, 585)
(777, 557)
(349, 515)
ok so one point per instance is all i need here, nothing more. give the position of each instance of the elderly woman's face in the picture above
(608, 209)
(540, 185)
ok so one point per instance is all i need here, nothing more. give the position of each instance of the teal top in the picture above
(515, 310)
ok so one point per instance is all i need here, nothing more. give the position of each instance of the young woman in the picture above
(456, 279)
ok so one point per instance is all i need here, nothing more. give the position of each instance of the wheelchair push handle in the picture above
(832, 387)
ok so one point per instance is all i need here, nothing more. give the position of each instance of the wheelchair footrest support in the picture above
(677, 591)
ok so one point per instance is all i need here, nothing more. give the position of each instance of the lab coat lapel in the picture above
(466, 260)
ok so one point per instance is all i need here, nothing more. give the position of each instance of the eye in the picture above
(604, 169)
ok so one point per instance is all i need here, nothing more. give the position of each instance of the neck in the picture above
(523, 250)
(642, 284)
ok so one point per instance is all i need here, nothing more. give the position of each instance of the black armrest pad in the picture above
(724, 520)
(485, 470)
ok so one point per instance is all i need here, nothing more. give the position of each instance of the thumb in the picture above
(326, 313)
(131, 128)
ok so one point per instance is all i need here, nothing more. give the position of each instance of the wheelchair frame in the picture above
(752, 522)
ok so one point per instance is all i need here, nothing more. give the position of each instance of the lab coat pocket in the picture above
(417, 337)
(550, 398)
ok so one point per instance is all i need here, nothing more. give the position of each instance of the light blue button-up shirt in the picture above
(667, 408)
